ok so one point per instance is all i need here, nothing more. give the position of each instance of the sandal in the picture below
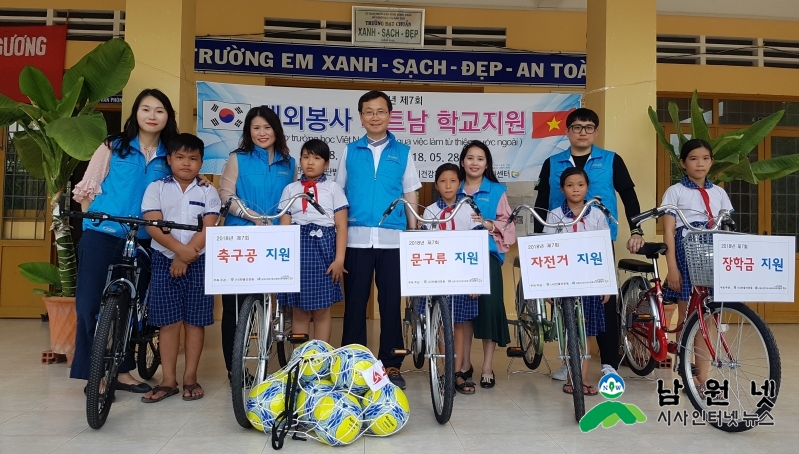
(568, 388)
(464, 388)
(590, 390)
(167, 390)
(487, 381)
(190, 389)
(467, 374)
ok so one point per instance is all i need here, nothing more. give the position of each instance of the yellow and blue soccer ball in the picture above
(387, 411)
(316, 360)
(337, 418)
(346, 367)
(266, 402)
(306, 401)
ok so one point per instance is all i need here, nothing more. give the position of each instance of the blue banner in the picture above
(376, 63)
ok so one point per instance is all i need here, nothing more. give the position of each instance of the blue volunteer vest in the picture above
(369, 197)
(487, 199)
(261, 184)
(123, 188)
(599, 168)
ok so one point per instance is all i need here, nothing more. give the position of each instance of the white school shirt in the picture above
(594, 220)
(377, 237)
(329, 196)
(690, 201)
(166, 196)
(463, 218)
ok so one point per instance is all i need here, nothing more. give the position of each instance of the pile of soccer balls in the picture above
(334, 403)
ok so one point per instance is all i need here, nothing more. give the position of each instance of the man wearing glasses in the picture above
(374, 171)
(607, 175)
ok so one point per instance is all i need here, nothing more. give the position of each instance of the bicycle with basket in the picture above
(535, 325)
(122, 326)
(735, 341)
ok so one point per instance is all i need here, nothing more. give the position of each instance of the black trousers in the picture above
(383, 264)
(608, 340)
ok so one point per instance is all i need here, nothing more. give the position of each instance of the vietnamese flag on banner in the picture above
(550, 124)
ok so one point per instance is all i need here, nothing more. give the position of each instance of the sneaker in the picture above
(395, 377)
(561, 373)
(608, 369)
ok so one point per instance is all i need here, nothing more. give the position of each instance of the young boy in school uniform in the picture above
(177, 288)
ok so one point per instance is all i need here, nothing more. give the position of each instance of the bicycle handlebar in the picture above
(434, 221)
(244, 212)
(723, 219)
(130, 221)
(596, 201)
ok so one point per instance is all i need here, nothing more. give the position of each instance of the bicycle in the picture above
(429, 329)
(738, 330)
(122, 321)
(260, 322)
(566, 325)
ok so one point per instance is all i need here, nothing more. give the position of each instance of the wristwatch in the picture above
(637, 231)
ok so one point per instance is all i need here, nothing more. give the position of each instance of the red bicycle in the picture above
(728, 345)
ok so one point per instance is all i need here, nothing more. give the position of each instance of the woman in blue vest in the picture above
(256, 172)
(491, 323)
(114, 183)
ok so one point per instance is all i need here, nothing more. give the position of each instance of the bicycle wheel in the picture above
(284, 347)
(148, 355)
(636, 335)
(107, 354)
(442, 359)
(575, 361)
(746, 353)
(530, 333)
(250, 354)
(417, 329)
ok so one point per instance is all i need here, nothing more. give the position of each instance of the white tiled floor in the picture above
(42, 411)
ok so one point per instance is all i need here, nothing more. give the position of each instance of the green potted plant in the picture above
(730, 150)
(53, 136)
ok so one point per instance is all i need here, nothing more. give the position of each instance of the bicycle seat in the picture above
(636, 266)
(652, 250)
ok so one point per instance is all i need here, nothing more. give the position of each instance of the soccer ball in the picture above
(346, 367)
(306, 400)
(267, 400)
(387, 411)
(338, 418)
(315, 365)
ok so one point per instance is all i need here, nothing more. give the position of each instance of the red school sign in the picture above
(41, 46)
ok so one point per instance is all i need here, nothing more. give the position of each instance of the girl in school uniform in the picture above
(700, 201)
(323, 242)
(479, 181)
(256, 172)
(463, 307)
(574, 184)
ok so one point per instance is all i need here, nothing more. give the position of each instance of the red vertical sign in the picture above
(41, 46)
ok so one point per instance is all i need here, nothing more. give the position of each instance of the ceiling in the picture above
(767, 9)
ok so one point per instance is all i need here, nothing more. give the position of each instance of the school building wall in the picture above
(548, 31)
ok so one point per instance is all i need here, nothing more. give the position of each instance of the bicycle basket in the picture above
(699, 257)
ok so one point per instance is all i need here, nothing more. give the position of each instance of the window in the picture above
(24, 200)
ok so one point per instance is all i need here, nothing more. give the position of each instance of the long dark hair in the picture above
(120, 143)
(246, 144)
(489, 171)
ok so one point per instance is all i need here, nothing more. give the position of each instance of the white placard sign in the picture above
(252, 259)
(567, 264)
(377, 26)
(440, 262)
(753, 268)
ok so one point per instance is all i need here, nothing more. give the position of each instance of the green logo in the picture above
(608, 414)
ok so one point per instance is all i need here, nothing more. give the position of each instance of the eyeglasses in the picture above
(577, 129)
(379, 113)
